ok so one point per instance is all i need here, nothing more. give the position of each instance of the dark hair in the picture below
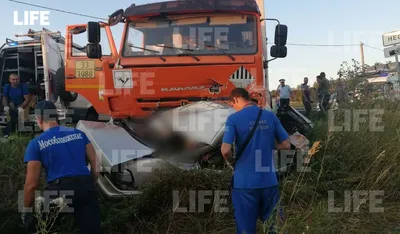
(318, 77)
(240, 92)
(322, 74)
(46, 111)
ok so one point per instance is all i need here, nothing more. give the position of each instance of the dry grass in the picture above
(361, 160)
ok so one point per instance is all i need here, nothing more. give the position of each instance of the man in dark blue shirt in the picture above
(16, 99)
(254, 185)
(62, 152)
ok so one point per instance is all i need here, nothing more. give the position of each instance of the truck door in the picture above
(79, 66)
(52, 61)
(83, 73)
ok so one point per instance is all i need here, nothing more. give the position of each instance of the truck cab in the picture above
(178, 60)
(172, 54)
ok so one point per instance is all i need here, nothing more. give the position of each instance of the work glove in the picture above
(20, 110)
(7, 109)
(28, 219)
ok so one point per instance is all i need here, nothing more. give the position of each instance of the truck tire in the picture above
(65, 96)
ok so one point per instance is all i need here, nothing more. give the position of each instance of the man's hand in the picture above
(226, 150)
(20, 110)
(7, 109)
(28, 218)
(285, 145)
(93, 161)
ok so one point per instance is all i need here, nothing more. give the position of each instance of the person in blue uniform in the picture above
(255, 190)
(16, 98)
(62, 152)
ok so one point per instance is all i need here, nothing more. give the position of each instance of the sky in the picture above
(339, 22)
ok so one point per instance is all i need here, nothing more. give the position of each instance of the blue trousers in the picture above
(251, 204)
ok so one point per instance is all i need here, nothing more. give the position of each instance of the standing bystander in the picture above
(284, 92)
(305, 90)
(323, 92)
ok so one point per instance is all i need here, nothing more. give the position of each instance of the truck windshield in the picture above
(213, 34)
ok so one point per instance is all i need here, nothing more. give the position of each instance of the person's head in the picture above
(322, 74)
(46, 115)
(239, 97)
(305, 80)
(14, 80)
(282, 82)
(319, 79)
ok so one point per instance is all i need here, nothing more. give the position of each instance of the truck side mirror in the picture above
(281, 32)
(278, 51)
(93, 51)
(93, 29)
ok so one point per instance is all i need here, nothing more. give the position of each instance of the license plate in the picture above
(85, 69)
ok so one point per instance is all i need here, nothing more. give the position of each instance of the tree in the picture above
(351, 73)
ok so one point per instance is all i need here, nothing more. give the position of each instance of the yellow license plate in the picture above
(85, 69)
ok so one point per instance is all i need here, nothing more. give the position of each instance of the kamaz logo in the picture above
(183, 88)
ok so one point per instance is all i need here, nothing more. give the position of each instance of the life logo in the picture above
(31, 17)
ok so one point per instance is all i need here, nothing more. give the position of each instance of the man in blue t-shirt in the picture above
(254, 185)
(62, 152)
(16, 98)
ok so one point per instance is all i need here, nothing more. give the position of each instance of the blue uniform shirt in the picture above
(16, 94)
(61, 150)
(255, 167)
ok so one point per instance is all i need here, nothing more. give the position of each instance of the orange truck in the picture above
(176, 66)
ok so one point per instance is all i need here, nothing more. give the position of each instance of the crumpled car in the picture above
(188, 137)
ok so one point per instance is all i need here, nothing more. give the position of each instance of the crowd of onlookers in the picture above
(284, 93)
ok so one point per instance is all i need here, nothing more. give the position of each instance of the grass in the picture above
(347, 161)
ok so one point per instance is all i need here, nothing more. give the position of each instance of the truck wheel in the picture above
(65, 96)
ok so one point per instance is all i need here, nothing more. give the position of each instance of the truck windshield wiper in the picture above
(221, 50)
(153, 51)
(182, 49)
